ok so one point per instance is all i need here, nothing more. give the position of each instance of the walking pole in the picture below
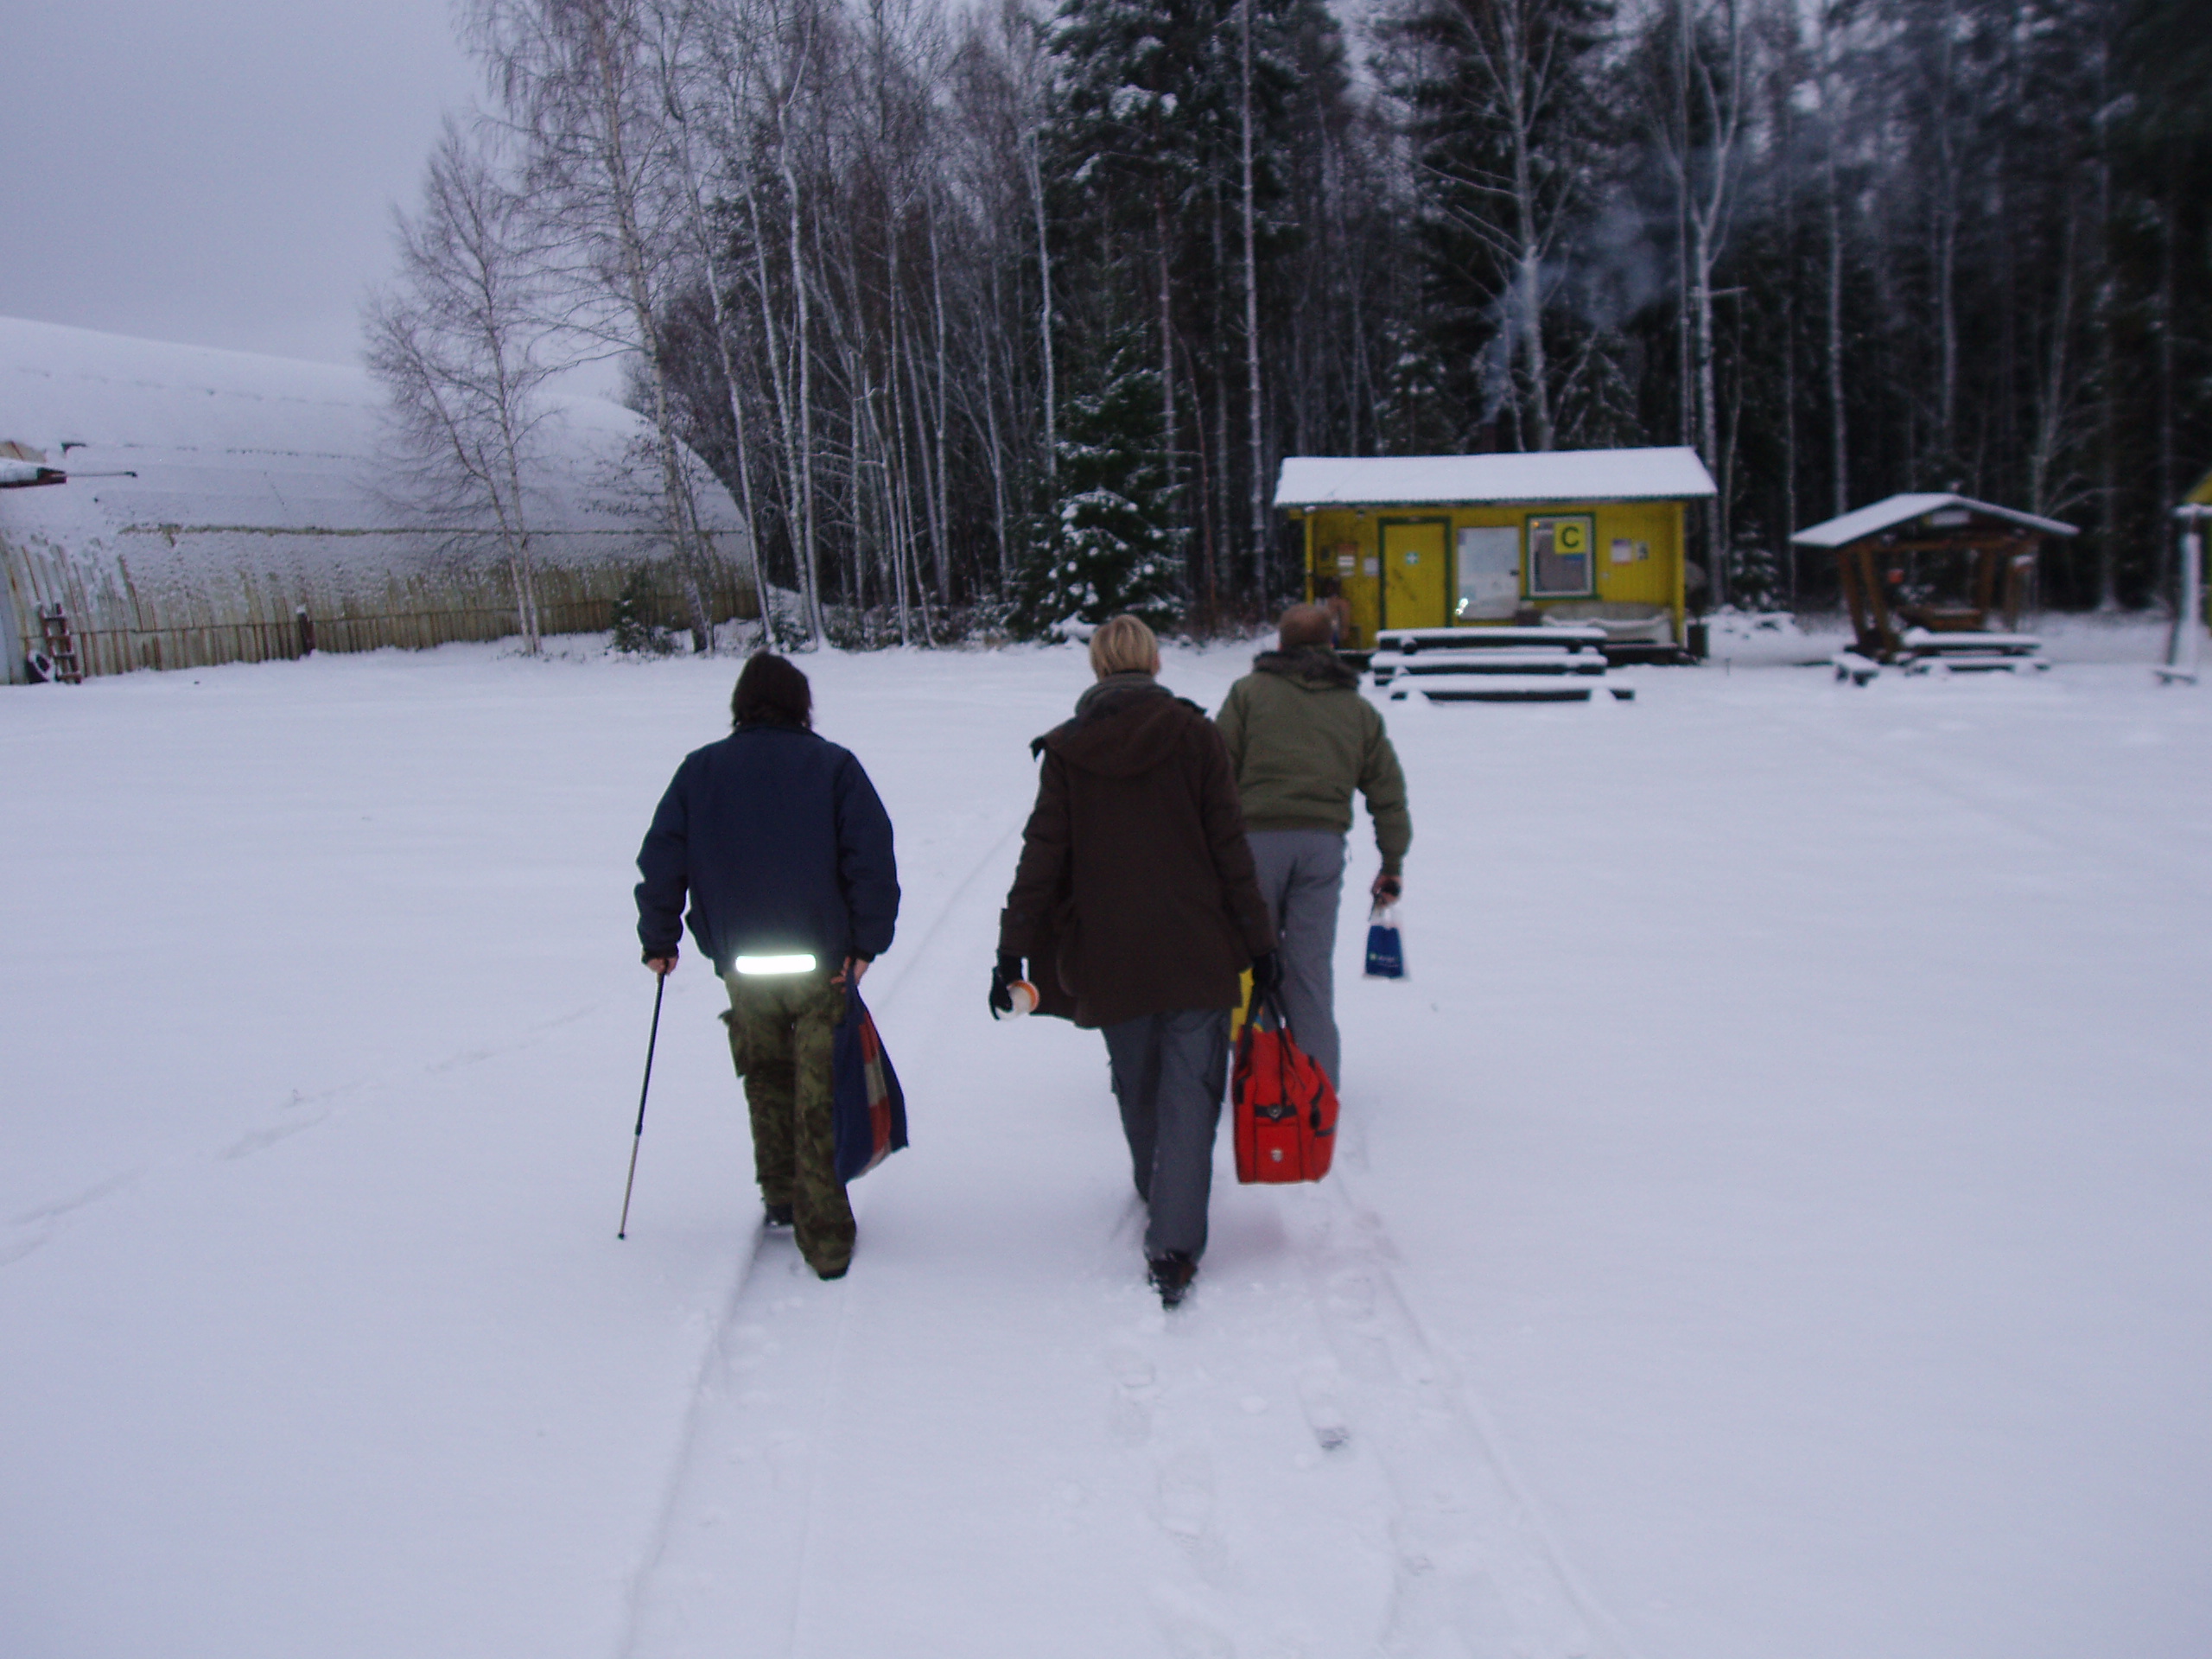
(637, 1138)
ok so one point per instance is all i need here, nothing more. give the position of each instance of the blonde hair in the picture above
(1124, 645)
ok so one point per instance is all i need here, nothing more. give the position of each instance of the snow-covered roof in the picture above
(1673, 475)
(1902, 509)
(235, 440)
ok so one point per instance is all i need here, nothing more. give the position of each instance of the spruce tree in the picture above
(1113, 546)
(1145, 141)
(633, 632)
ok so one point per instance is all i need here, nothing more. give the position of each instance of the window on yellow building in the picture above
(1559, 562)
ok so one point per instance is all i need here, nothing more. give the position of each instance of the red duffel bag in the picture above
(1285, 1109)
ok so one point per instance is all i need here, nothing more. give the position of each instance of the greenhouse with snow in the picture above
(171, 506)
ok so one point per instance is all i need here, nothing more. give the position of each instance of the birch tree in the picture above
(898, 273)
(1698, 123)
(575, 76)
(458, 347)
(686, 68)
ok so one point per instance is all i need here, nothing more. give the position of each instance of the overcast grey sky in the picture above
(219, 173)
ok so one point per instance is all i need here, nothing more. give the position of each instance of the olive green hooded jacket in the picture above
(1302, 739)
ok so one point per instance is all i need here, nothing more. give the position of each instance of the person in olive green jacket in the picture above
(1301, 739)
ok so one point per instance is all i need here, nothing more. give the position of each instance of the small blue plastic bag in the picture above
(1386, 952)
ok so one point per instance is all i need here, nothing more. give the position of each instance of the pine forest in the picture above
(995, 318)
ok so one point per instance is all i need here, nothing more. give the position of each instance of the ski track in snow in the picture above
(298, 1113)
(36, 1225)
(1475, 1568)
(730, 1353)
(2059, 821)
(1449, 1557)
(1765, 1343)
(1439, 1551)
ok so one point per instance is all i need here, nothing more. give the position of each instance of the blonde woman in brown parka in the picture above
(1136, 909)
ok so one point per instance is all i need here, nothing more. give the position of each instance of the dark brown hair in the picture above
(1306, 625)
(770, 692)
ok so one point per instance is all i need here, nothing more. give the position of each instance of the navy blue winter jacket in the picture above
(782, 846)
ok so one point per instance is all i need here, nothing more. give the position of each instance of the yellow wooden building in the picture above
(1590, 535)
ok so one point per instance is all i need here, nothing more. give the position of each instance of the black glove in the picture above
(1386, 889)
(1002, 978)
(1267, 974)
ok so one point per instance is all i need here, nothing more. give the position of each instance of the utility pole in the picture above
(2188, 606)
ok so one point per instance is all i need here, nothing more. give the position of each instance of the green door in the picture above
(1415, 582)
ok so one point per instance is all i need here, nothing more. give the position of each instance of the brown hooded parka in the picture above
(1135, 891)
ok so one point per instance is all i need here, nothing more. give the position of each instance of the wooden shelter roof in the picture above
(1899, 510)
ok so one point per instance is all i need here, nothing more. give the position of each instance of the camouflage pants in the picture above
(781, 1031)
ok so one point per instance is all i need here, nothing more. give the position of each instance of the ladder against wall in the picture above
(60, 646)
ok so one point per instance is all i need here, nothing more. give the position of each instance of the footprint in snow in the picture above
(1186, 1630)
(1446, 1606)
(1185, 1508)
(1129, 1412)
(1352, 1295)
(1186, 1494)
(1320, 1397)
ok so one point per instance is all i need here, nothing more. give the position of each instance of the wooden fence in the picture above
(163, 597)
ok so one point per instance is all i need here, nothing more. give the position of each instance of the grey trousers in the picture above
(1170, 1070)
(1302, 877)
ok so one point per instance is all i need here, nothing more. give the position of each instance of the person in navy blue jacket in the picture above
(784, 851)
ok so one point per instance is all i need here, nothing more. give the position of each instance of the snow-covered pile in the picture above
(1770, 1221)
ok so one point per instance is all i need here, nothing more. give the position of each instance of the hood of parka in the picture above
(1311, 668)
(1124, 726)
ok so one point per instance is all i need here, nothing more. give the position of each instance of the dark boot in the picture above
(1171, 1276)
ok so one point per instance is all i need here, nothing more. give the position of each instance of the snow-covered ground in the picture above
(1772, 1220)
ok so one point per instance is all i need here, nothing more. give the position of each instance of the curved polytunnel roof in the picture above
(236, 441)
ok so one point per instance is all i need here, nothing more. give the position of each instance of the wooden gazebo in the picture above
(1934, 575)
